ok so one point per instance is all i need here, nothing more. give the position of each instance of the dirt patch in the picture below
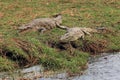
(85, 45)
(20, 60)
(1, 14)
(94, 47)
(60, 45)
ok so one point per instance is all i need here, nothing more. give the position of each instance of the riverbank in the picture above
(101, 65)
(21, 50)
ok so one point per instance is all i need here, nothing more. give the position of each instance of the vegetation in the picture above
(18, 50)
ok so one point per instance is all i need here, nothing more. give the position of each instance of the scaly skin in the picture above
(42, 24)
(76, 33)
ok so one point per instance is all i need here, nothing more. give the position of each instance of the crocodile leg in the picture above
(86, 32)
(42, 29)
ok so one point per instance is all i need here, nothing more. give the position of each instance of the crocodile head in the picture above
(58, 18)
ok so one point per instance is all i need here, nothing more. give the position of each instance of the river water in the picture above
(105, 67)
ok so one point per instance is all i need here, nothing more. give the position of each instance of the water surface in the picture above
(103, 68)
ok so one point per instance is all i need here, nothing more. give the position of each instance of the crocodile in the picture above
(42, 24)
(72, 34)
(75, 33)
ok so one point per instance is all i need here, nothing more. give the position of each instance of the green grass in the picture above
(6, 65)
(82, 13)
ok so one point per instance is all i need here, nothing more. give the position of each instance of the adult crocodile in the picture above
(42, 24)
(74, 33)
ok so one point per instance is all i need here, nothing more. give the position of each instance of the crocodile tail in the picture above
(101, 28)
(62, 27)
(23, 27)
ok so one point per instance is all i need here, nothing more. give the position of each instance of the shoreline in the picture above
(47, 74)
